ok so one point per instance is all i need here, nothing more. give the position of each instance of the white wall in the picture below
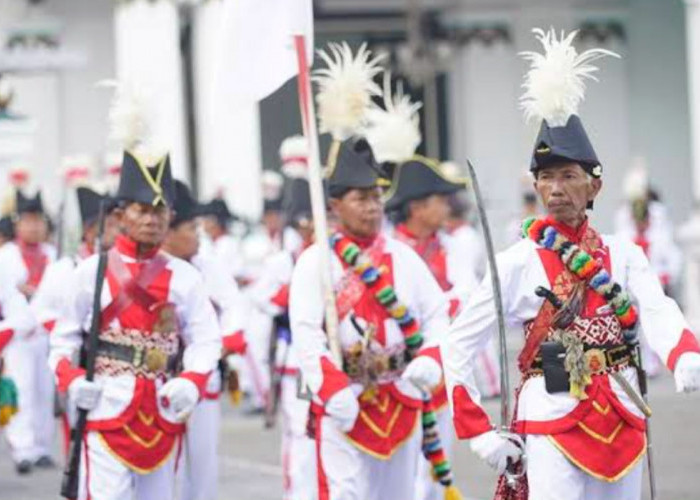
(639, 108)
(70, 113)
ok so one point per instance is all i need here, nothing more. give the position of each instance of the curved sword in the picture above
(511, 477)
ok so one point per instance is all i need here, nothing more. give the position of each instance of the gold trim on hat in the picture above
(154, 184)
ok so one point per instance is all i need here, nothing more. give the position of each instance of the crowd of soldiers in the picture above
(164, 308)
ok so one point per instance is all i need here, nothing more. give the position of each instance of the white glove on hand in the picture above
(343, 408)
(424, 372)
(687, 372)
(178, 397)
(495, 449)
(85, 395)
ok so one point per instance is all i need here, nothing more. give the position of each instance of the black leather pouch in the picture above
(556, 378)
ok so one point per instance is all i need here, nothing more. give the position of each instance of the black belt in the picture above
(615, 354)
(151, 359)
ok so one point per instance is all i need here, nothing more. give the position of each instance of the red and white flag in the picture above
(257, 49)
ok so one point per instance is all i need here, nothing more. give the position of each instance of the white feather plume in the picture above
(76, 169)
(636, 182)
(272, 183)
(393, 132)
(294, 152)
(132, 121)
(556, 82)
(345, 89)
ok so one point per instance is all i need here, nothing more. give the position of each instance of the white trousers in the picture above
(426, 487)
(298, 449)
(30, 432)
(552, 477)
(104, 477)
(346, 473)
(254, 368)
(199, 464)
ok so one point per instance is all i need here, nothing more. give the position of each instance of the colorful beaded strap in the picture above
(377, 282)
(435, 453)
(590, 270)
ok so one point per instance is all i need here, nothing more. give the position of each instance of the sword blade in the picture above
(496, 284)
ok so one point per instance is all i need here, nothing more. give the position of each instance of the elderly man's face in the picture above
(144, 223)
(359, 211)
(565, 190)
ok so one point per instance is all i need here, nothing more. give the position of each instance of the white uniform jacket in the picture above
(195, 321)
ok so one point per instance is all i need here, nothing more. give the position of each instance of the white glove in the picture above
(343, 408)
(495, 449)
(178, 397)
(687, 372)
(85, 395)
(424, 372)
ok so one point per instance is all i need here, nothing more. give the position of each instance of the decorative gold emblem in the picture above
(156, 360)
(543, 150)
(596, 361)
(167, 319)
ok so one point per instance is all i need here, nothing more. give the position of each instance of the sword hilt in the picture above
(549, 296)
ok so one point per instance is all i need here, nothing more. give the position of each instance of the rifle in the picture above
(69, 484)
(273, 400)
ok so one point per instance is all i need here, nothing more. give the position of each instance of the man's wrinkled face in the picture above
(431, 212)
(144, 223)
(31, 228)
(359, 211)
(565, 190)
(182, 240)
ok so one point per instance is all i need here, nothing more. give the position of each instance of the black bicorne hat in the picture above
(297, 200)
(89, 204)
(355, 168)
(567, 143)
(274, 205)
(7, 228)
(28, 205)
(152, 185)
(419, 178)
(186, 207)
(219, 209)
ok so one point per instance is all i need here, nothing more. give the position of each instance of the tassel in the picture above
(453, 493)
(434, 453)
(8, 400)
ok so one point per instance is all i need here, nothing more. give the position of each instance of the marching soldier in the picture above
(578, 407)
(201, 464)
(419, 197)
(16, 322)
(391, 312)
(155, 318)
(270, 293)
(24, 261)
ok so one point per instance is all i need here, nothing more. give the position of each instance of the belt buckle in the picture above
(137, 360)
(596, 361)
(155, 360)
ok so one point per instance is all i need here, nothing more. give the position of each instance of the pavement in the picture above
(251, 470)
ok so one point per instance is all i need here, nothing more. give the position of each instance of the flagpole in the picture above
(318, 205)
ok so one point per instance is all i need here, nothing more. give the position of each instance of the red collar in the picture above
(363, 243)
(572, 234)
(407, 233)
(127, 246)
(28, 247)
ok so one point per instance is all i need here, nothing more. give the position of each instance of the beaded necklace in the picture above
(579, 262)
(376, 281)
